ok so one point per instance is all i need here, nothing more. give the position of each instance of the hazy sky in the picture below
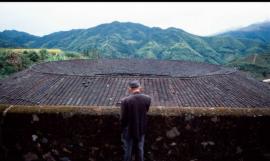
(201, 18)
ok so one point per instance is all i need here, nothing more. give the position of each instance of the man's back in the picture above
(133, 114)
(134, 121)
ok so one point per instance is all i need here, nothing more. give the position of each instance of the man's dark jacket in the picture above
(133, 114)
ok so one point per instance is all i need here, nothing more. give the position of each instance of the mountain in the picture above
(130, 40)
(230, 47)
(257, 62)
(259, 32)
(258, 65)
(13, 38)
(133, 40)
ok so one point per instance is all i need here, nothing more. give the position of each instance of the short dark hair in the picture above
(134, 84)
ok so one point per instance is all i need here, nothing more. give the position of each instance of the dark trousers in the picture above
(128, 144)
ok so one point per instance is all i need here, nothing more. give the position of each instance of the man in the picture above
(134, 121)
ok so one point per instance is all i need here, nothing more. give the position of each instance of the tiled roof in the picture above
(104, 83)
(131, 67)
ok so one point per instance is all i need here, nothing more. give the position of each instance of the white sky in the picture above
(200, 18)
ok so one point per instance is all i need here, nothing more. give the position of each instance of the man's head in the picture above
(134, 86)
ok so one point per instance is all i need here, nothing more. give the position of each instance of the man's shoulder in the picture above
(133, 96)
(124, 99)
(130, 97)
(145, 95)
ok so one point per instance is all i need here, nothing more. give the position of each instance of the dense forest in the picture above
(14, 60)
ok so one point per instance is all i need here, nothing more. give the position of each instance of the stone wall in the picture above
(37, 133)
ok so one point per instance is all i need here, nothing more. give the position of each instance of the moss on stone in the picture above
(155, 110)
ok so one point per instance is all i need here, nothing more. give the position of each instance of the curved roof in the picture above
(104, 82)
(131, 67)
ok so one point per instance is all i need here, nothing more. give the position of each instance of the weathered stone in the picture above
(30, 156)
(34, 137)
(55, 152)
(242, 132)
(159, 138)
(267, 156)
(67, 115)
(173, 133)
(44, 140)
(154, 147)
(214, 119)
(66, 150)
(169, 152)
(55, 143)
(188, 117)
(205, 143)
(188, 127)
(211, 143)
(165, 146)
(95, 148)
(91, 159)
(39, 148)
(173, 144)
(18, 146)
(48, 157)
(238, 149)
(81, 144)
(35, 117)
(65, 159)
(194, 159)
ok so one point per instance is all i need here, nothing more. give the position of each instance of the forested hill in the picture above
(258, 32)
(132, 40)
(13, 38)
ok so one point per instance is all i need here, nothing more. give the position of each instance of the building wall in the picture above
(174, 134)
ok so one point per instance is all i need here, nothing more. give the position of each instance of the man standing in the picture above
(134, 121)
